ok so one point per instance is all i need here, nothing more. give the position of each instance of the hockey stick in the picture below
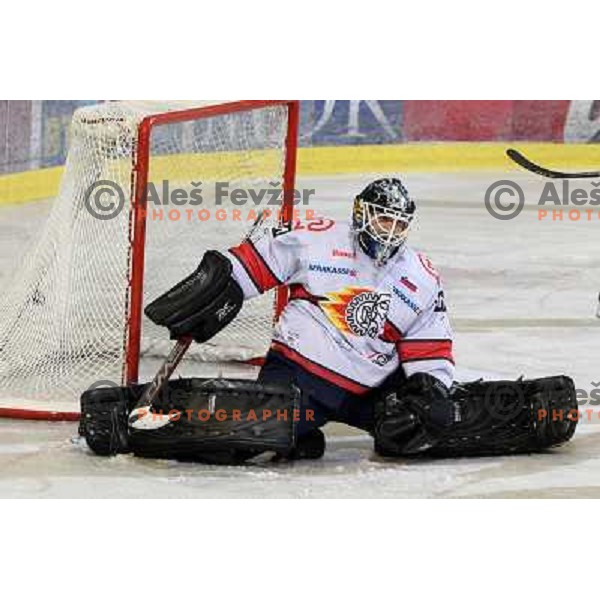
(524, 162)
(142, 417)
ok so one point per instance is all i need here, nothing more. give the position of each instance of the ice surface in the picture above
(523, 297)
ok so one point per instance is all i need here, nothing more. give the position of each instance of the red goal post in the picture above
(139, 203)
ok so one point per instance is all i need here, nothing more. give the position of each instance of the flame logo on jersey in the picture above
(357, 310)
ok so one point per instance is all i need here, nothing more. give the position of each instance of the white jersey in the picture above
(349, 321)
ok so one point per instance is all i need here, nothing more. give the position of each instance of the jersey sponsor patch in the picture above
(408, 301)
(359, 311)
(338, 253)
(406, 282)
(331, 270)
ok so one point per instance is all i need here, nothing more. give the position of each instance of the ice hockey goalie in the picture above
(365, 340)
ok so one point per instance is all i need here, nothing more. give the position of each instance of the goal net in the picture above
(147, 188)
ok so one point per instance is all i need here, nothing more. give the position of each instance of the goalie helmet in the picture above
(381, 218)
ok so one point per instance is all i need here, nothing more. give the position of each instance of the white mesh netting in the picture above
(63, 319)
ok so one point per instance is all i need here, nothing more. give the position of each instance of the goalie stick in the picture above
(142, 417)
(524, 162)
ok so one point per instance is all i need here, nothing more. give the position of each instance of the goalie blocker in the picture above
(229, 421)
(202, 304)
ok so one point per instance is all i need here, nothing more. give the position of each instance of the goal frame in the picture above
(137, 228)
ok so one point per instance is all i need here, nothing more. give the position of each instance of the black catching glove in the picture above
(202, 304)
(412, 418)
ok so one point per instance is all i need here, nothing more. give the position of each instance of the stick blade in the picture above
(529, 165)
(525, 163)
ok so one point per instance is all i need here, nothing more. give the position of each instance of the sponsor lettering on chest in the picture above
(325, 269)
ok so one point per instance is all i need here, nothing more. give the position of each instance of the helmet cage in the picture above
(389, 236)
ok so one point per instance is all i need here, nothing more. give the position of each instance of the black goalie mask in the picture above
(381, 218)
